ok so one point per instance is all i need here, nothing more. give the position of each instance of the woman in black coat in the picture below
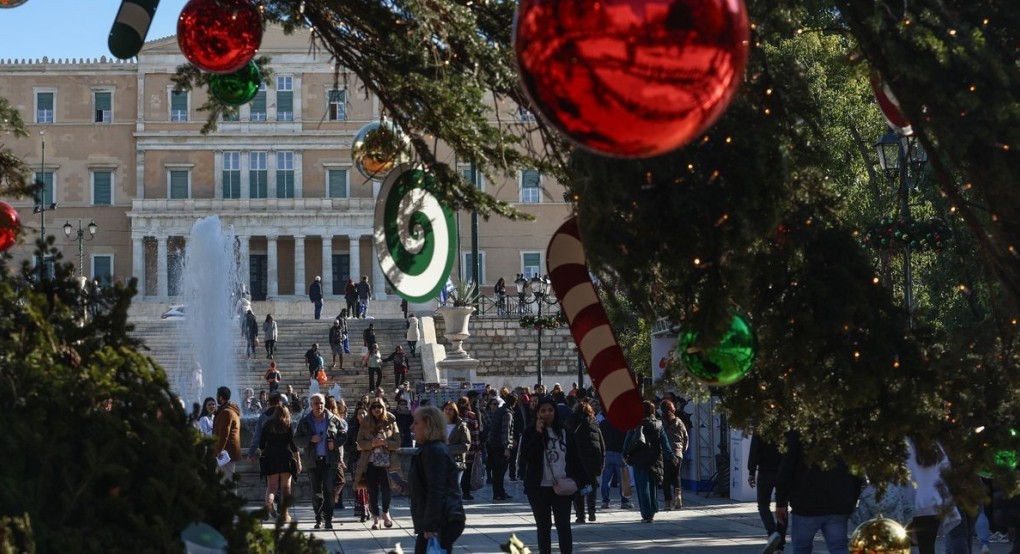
(548, 453)
(591, 449)
(436, 506)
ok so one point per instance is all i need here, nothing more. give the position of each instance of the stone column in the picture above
(299, 265)
(355, 258)
(138, 261)
(327, 264)
(378, 281)
(272, 274)
(161, 268)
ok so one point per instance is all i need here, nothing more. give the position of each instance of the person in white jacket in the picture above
(934, 514)
(412, 334)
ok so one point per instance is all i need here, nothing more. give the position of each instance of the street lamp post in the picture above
(539, 291)
(80, 237)
(41, 208)
(900, 158)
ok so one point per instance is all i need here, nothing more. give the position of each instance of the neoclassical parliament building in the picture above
(115, 144)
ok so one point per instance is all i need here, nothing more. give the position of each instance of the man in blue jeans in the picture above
(820, 500)
(613, 439)
(764, 458)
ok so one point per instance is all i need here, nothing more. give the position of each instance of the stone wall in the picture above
(508, 354)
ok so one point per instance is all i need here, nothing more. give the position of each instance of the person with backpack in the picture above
(313, 360)
(644, 449)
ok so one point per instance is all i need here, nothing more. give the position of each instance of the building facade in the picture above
(115, 144)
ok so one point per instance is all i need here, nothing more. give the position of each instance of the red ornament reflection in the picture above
(10, 224)
(631, 78)
(219, 36)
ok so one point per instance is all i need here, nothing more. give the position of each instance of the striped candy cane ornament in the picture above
(590, 328)
(129, 29)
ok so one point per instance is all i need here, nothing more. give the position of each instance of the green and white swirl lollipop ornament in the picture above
(415, 235)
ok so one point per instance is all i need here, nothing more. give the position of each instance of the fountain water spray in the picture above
(211, 332)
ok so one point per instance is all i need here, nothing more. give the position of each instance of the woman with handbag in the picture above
(550, 466)
(378, 438)
(436, 507)
(458, 437)
(280, 460)
(647, 460)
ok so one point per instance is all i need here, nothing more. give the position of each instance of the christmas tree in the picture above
(766, 213)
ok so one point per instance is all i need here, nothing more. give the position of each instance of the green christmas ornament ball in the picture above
(238, 88)
(727, 362)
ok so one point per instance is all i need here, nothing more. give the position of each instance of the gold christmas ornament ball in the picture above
(880, 536)
(378, 147)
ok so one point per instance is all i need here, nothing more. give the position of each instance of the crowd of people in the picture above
(557, 443)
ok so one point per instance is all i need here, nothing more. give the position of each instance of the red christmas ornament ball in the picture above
(219, 36)
(10, 224)
(631, 78)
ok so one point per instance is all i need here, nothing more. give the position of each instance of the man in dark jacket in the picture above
(764, 457)
(251, 332)
(315, 295)
(820, 499)
(336, 342)
(322, 434)
(369, 336)
(500, 444)
(364, 295)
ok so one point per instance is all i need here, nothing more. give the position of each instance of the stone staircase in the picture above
(295, 337)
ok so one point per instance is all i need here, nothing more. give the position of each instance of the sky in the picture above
(72, 28)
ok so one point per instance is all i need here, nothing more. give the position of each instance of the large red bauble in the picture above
(219, 36)
(631, 78)
(10, 224)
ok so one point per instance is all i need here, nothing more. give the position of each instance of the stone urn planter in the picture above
(456, 319)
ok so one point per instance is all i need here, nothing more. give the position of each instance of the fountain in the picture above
(209, 336)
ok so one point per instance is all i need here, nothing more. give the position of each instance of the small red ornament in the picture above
(631, 78)
(10, 225)
(219, 36)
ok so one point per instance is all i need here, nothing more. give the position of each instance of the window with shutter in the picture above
(47, 190)
(258, 105)
(337, 183)
(531, 264)
(179, 184)
(284, 98)
(104, 106)
(531, 188)
(102, 270)
(258, 175)
(102, 188)
(231, 175)
(178, 106)
(285, 175)
(337, 105)
(44, 102)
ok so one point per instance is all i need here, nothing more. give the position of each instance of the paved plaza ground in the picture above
(704, 526)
